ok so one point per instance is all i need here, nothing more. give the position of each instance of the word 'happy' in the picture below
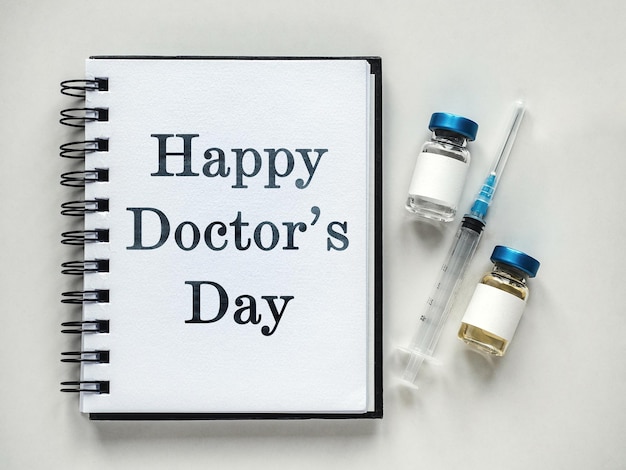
(248, 163)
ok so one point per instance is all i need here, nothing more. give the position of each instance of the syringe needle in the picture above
(507, 144)
(488, 189)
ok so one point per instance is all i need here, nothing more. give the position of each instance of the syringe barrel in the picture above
(431, 322)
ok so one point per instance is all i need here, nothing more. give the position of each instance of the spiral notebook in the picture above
(231, 237)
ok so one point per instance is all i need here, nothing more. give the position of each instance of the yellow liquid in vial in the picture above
(484, 340)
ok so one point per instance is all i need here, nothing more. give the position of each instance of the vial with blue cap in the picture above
(498, 302)
(441, 168)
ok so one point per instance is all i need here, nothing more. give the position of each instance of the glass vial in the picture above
(441, 168)
(498, 302)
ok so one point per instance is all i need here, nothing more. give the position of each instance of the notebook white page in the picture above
(308, 260)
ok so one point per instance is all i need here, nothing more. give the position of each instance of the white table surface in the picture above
(555, 401)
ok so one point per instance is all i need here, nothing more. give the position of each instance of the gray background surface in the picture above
(557, 400)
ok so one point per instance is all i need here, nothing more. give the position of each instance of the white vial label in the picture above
(438, 177)
(495, 311)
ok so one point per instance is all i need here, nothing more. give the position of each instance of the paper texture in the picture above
(264, 226)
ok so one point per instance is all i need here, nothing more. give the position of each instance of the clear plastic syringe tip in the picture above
(412, 368)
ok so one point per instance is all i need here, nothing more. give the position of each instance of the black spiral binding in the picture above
(78, 117)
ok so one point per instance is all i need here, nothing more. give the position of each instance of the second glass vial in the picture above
(496, 307)
(441, 168)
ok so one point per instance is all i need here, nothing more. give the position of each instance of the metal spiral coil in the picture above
(78, 179)
(78, 117)
(96, 356)
(79, 268)
(81, 148)
(88, 326)
(86, 296)
(94, 386)
(79, 88)
(80, 208)
(81, 237)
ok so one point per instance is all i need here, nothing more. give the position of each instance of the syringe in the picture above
(438, 307)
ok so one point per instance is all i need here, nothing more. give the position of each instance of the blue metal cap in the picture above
(517, 259)
(451, 122)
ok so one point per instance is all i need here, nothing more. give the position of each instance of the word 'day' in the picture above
(247, 311)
